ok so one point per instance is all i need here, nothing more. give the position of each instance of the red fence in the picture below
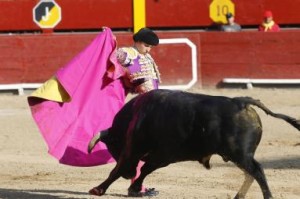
(35, 58)
(16, 15)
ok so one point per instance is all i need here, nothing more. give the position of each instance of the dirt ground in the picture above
(28, 171)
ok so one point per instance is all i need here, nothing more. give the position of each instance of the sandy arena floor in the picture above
(27, 171)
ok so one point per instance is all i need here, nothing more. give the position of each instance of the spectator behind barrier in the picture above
(231, 25)
(268, 24)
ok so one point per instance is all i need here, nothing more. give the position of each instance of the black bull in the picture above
(163, 127)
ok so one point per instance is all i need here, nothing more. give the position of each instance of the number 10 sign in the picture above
(219, 8)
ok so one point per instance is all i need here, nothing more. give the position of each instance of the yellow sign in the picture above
(219, 8)
(47, 14)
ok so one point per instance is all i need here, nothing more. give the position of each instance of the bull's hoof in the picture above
(149, 192)
(96, 191)
(135, 194)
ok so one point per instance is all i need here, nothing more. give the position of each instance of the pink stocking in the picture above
(138, 172)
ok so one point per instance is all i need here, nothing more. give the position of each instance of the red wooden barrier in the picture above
(35, 58)
(17, 15)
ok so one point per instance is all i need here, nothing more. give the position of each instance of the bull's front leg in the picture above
(135, 188)
(101, 189)
(136, 192)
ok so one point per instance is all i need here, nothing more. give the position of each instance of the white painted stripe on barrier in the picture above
(194, 63)
(261, 81)
(249, 82)
(20, 87)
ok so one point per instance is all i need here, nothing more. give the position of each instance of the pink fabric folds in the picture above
(92, 80)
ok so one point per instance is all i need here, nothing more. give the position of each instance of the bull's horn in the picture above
(97, 138)
(93, 142)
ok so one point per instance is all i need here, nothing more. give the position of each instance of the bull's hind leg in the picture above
(245, 187)
(254, 169)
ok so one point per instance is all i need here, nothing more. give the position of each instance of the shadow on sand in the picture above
(38, 194)
(282, 163)
(46, 194)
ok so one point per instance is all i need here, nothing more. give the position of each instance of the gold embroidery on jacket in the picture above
(149, 69)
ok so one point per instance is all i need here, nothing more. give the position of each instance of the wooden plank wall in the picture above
(26, 55)
(248, 54)
(17, 15)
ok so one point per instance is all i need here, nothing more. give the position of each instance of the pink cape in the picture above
(92, 80)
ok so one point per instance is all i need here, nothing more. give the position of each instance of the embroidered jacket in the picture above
(142, 70)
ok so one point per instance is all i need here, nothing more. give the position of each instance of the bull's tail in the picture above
(248, 100)
(97, 138)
